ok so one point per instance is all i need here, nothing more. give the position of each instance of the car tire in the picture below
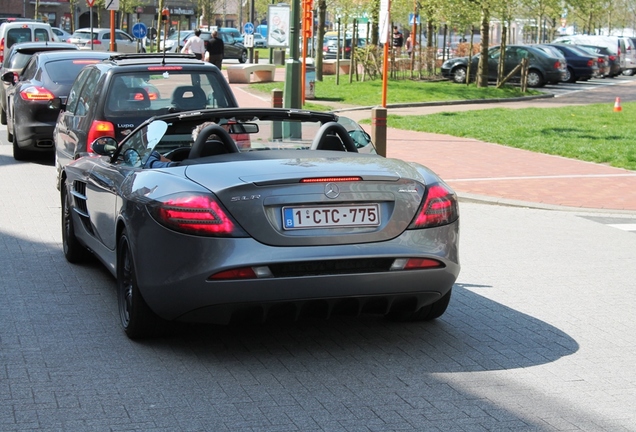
(74, 251)
(3, 117)
(459, 75)
(626, 72)
(136, 317)
(569, 75)
(243, 57)
(535, 79)
(18, 152)
(425, 313)
(9, 135)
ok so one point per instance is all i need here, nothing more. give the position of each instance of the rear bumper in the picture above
(176, 286)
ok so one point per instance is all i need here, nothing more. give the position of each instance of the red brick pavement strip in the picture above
(494, 173)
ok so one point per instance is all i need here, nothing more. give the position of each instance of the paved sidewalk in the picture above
(494, 173)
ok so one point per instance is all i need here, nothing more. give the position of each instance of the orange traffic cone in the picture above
(617, 105)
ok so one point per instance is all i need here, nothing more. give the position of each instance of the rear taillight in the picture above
(195, 213)
(439, 208)
(590, 62)
(1, 50)
(96, 42)
(557, 65)
(34, 93)
(99, 129)
(239, 273)
(612, 57)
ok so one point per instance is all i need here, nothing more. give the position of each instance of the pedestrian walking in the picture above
(216, 49)
(195, 45)
(398, 41)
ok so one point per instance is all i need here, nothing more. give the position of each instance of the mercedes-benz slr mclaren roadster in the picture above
(221, 214)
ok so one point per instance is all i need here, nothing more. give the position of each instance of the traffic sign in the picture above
(248, 28)
(90, 3)
(112, 5)
(139, 30)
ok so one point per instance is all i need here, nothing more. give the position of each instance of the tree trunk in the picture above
(320, 38)
(482, 69)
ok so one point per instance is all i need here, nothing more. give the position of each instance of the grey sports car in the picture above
(225, 214)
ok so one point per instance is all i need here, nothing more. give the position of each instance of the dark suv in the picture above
(113, 97)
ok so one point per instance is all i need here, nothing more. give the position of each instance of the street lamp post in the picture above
(292, 96)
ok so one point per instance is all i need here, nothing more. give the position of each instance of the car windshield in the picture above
(250, 134)
(19, 60)
(83, 35)
(162, 92)
(65, 71)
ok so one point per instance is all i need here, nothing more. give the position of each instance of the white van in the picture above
(12, 32)
(615, 44)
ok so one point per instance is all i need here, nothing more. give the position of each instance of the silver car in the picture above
(124, 43)
(257, 214)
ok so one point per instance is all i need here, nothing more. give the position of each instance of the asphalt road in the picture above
(539, 336)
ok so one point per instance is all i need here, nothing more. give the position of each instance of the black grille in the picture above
(331, 267)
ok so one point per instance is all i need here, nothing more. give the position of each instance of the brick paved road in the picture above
(540, 335)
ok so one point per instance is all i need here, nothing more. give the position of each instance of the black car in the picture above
(17, 58)
(232, 48)
(581, 65)
(614, 61)
(47, 75)
(115, 96)
(543, 68)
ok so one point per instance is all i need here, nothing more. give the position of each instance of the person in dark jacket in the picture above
(216, 49)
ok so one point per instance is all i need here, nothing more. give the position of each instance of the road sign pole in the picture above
(91, 21)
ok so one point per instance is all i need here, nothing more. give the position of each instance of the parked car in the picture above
(260, 41)
(613, 64)
(16, 59)
(330, 47)
(306, 222)
(232, 49)
(47, 75)
(12, 32)
(614, 44)
(581, 65)
(543, 68)
(114, 97)
(630, 57)
(61, 34)
(171, 44)
(124, 43)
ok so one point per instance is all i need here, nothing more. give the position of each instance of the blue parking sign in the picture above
(248, 28)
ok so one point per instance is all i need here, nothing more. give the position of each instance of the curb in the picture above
(484, 199)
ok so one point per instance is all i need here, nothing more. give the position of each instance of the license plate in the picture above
(331, 216)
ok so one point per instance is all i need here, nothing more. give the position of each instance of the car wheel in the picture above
(9, 135)
(243, 57)
(3, 117)
(459, 75)
(18, 153)
(425, 313)
(535, 79)
(569, 75)
(626, 72)
(74, 252)
(135, 315)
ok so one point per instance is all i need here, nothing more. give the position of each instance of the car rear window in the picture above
(19, 60)
(65, 71)
(158, 91)
(18, 35)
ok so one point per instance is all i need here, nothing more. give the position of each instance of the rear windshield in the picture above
(65, 71)
(161, 92)
(19, 60)
(25, 34)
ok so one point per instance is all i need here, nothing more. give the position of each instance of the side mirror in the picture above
(104, 146)
(56, 104)
(9, 77)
